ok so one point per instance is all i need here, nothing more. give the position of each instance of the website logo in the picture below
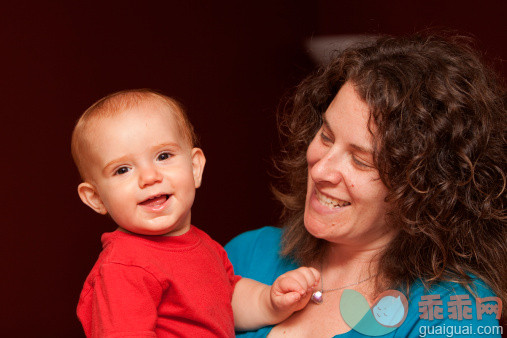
(385, 316)
(391, 307)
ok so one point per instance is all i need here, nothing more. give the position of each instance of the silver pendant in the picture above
(317, 297)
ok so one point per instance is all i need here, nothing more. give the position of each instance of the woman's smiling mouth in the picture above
(330, 202)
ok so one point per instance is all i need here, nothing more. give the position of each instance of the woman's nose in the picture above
(149, 175)
(327, 168)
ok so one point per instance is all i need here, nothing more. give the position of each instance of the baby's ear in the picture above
(198, 161)
(89, 195)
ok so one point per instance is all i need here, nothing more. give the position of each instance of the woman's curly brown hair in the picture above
(440, 120)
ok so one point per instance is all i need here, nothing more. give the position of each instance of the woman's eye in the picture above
(361, 163)
(163, 156)
(121, 171)
(325, 138)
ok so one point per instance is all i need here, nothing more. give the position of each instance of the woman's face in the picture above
(345, 201)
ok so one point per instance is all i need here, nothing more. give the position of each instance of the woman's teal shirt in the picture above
(255, 254)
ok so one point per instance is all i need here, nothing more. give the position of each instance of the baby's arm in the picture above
(256, 305)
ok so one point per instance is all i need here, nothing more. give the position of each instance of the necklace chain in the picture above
(343, 287)
(317, 296)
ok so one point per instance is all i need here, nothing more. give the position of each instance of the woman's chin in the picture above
(319, 229)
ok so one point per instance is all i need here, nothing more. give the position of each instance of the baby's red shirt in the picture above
(159, 286)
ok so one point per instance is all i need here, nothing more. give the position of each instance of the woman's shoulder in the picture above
(476, 288)
(450, 304)
(256, 254)
(267, 237)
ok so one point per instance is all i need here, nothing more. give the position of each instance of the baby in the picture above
(157, 274)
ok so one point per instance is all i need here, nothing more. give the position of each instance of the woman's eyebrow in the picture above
(325, 122)
(361, 149)
(326, 125)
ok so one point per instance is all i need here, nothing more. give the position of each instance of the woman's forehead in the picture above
(349, 115)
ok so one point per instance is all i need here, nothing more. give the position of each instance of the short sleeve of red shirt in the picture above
(233, 278)
(118, 293)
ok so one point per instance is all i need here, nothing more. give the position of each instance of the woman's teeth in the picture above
(331, 202)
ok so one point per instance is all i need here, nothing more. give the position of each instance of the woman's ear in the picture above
(198, 161)
(89, 195)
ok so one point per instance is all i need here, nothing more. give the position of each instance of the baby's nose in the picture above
(148, 176)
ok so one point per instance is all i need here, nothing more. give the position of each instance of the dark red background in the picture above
(228, 63)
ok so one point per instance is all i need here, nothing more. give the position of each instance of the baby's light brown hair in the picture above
(116, 103)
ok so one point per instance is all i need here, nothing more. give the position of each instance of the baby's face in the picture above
(142, 171)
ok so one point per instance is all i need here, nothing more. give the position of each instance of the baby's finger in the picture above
(311, 277)
(287, 300)
(292, 283)
(316, 276)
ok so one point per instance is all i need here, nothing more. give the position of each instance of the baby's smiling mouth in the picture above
(155, 201)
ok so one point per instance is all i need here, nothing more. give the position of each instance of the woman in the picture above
(394, 178)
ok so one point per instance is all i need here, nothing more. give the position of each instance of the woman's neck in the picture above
(357, 256)
(343, 265)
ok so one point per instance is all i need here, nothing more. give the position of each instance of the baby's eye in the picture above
(163, 156)
(121, 171)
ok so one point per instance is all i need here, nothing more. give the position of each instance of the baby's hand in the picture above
(292, 290)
